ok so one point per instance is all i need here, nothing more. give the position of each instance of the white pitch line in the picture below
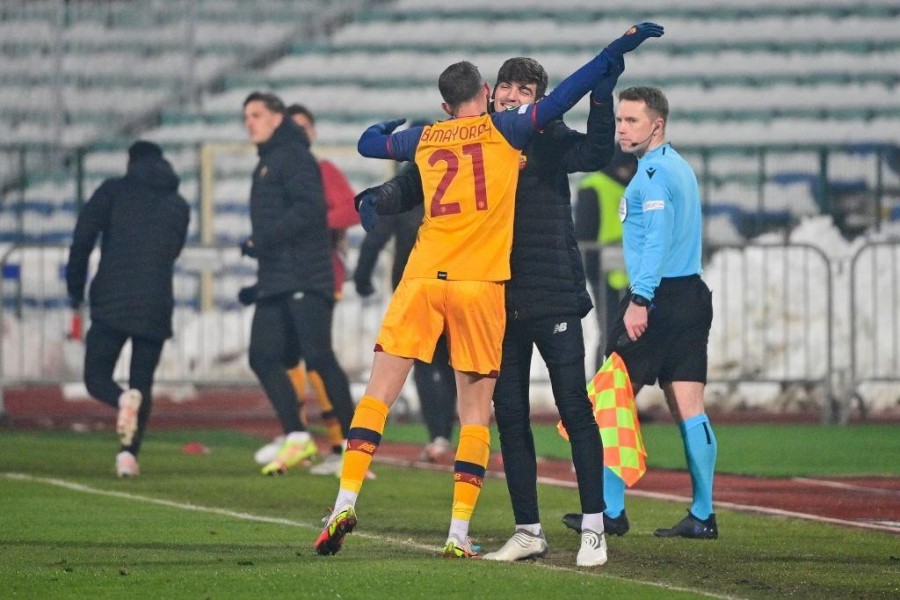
(79, 487)
(86, 489)
(846, 486)
(777, 512)
(749, 508)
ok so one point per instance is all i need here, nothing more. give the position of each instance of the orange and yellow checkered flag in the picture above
(613, 399)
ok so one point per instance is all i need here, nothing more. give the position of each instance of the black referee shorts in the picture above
(674, 346)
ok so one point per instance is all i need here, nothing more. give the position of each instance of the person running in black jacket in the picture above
(142, 222)
(295, 281)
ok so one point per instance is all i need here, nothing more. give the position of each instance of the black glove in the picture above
(247, 248)
(247, 295)
(634, 37)
(365, 202)
(363, 284)
(364, 288)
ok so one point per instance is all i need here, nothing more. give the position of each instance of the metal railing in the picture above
(874, 325)
(773, 324)
(211, 329)
(822, 332)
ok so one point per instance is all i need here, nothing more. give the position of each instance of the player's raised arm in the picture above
(579, 83)
(379, 141)
(518, 125)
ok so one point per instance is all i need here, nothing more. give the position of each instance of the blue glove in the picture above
(605, 86)
(634, 37)
(365, 205)
(388, 127)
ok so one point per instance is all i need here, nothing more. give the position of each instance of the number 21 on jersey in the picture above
(476, 159)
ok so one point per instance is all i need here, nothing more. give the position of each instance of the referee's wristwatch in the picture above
(640, 300)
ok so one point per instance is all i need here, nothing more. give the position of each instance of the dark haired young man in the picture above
(487, 245)
(295, 277)
(341, 215)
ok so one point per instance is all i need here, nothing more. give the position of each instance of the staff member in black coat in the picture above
(295, 281)
(546, 298)
(143, 221)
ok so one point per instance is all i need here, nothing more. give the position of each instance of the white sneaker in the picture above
(269, 452)
(127, 465)
(127, 421)
(331, 465)
(438, 447)
(593, 549)
(522, 545)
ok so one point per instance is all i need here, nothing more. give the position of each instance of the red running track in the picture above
(864, 502)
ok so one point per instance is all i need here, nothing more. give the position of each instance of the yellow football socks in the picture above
(298, 380)
(362, 441)
(332, 425)
(472, 456)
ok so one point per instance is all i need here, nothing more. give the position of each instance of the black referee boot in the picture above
(693, 528)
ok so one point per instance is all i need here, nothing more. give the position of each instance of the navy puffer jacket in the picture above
(142, 222)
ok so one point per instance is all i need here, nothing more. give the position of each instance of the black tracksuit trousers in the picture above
(103, 344)
(560, 341)
(307, 317)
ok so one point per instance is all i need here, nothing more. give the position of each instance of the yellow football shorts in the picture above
(471, 313)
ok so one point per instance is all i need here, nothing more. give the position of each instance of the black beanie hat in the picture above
(141, 149)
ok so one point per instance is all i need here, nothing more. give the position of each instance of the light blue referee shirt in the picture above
(662, 224)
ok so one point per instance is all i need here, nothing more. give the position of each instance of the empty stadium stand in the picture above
(757, 87)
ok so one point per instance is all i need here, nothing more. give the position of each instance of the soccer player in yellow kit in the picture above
(453, 281)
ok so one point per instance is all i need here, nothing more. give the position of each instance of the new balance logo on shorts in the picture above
(560, 327)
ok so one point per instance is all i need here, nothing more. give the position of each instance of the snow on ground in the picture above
(771, 325)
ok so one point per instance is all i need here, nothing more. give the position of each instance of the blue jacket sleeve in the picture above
(659, 220)
(398, 146)
(518, 125)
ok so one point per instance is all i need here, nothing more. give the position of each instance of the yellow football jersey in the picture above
(469, 177)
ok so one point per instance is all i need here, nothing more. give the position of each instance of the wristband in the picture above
(640, 300)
